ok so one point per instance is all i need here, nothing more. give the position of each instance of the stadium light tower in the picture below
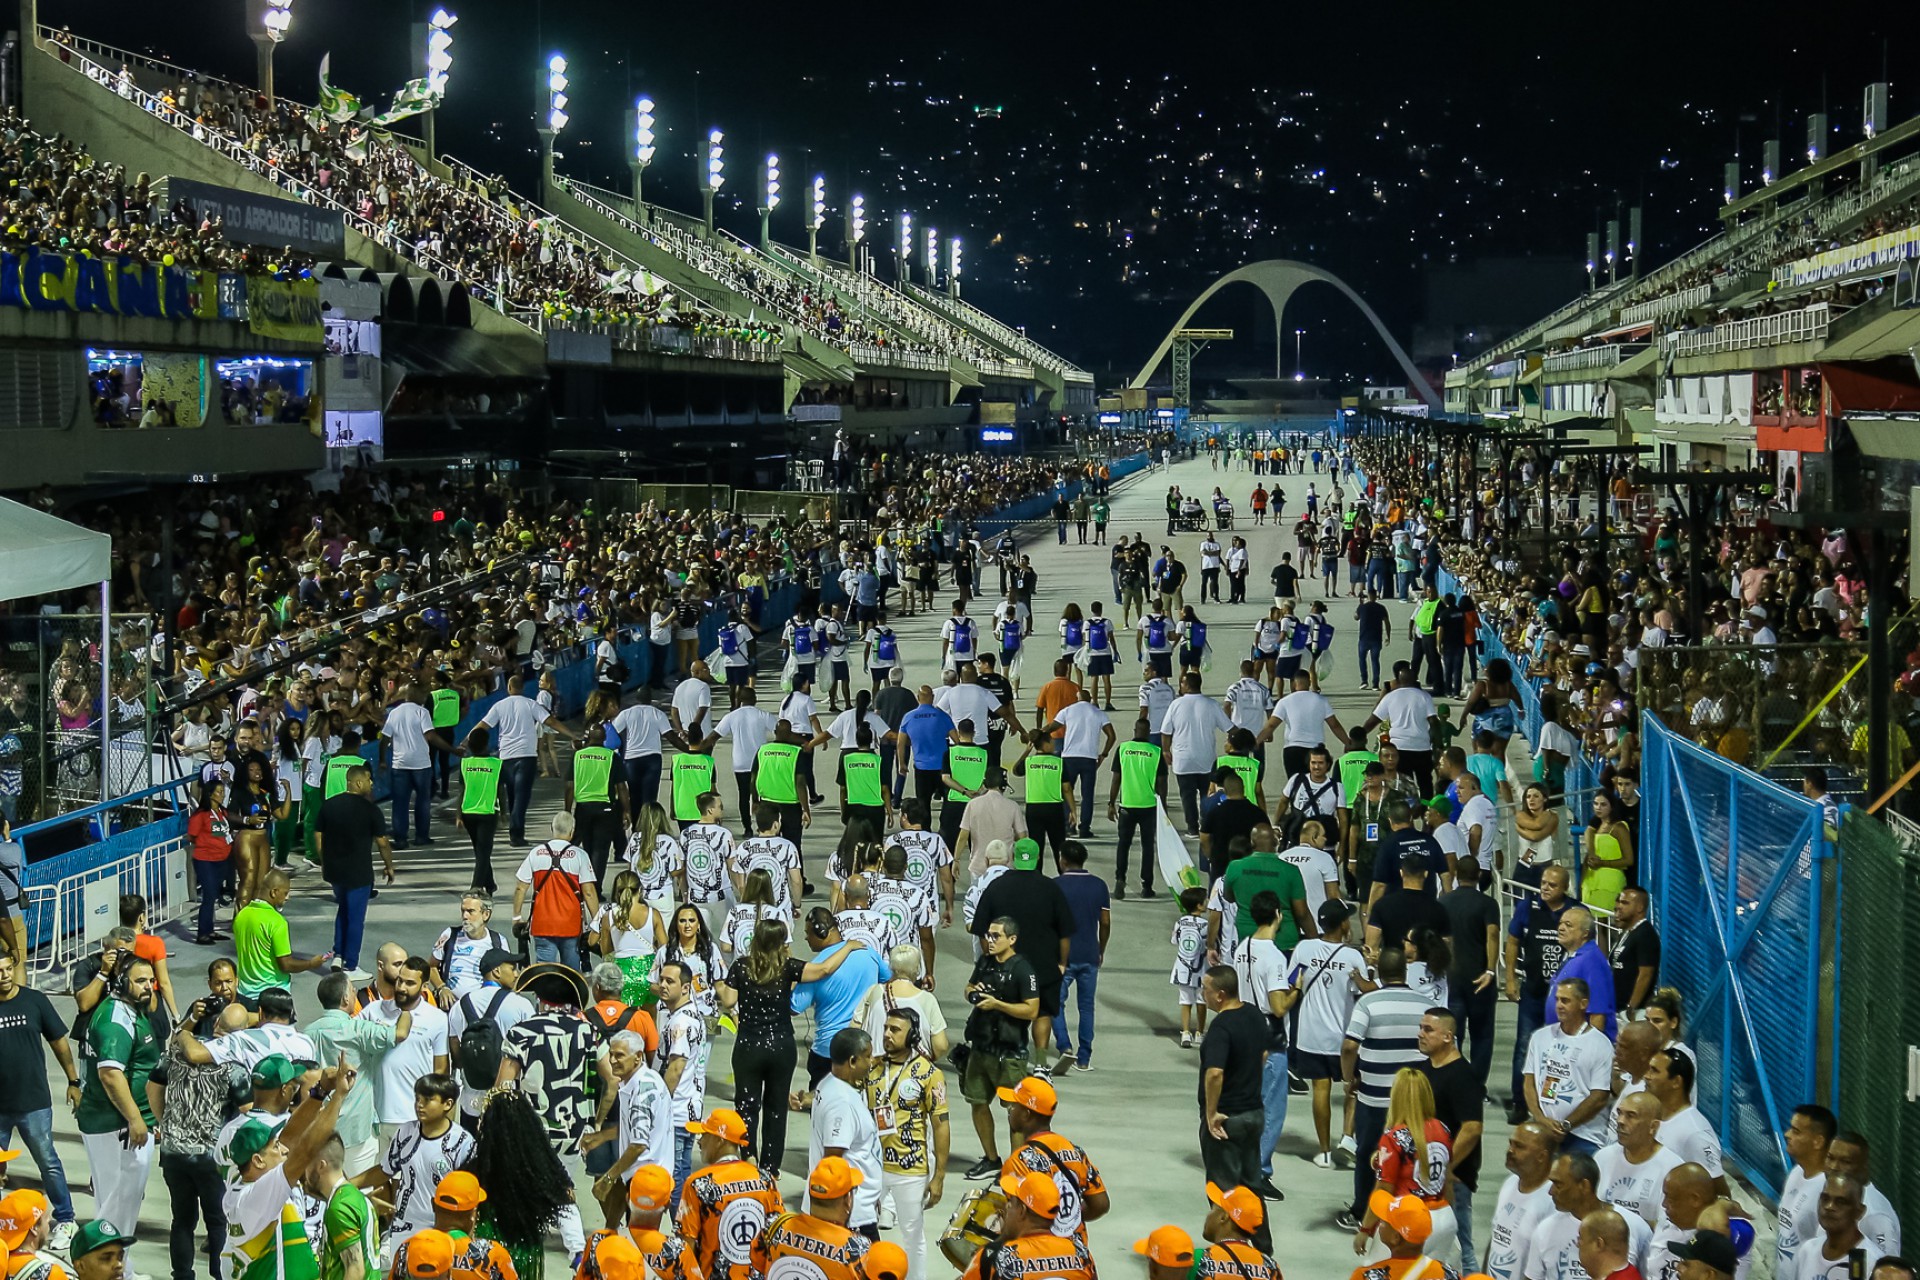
(714, 174)
(905, 249)
(953, 266)
(434, 39)
(267, 23)
(553, 81)
(856, 230)
(819, 219)
(769, 195)
(640, 128)
(933, 255)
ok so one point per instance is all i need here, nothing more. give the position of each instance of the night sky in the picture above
(1129, 167)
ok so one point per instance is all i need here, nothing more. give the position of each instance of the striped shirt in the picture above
(1386, 1024)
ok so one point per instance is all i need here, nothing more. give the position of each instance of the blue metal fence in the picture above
(1735, 864)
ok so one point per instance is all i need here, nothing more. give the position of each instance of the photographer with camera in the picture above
(1004, 991)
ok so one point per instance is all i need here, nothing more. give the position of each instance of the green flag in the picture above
(335, 104)
(413, 98)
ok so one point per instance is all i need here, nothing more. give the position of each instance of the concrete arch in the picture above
(1278, 278)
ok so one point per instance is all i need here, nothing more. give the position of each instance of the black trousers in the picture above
(743, 781)
(1209, 583)
(480, 828)
(1234, 1161)
(1474, 1011)
(762, 1079)
(643, 784)
(1048, 823)
(791, 826)
(1192, 787)
(1368, 1124)
(1146, 822)
(596, 828)
(195, 1190)
(951, 812)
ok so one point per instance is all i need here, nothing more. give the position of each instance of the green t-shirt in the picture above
(773, 773)
(118, 1035)
(351, 1227)
(592, 772)
(1101, 511)
(1139, 764)
(1043, 779)
(336, 777)
(1423, 616)
(1247, 767)
(966, 765)
(480, 785)
(864, 786)
(259, 939)
(1491, 770)
(1353, 772)
(692, 778)
(1247, 876)
(446, 708)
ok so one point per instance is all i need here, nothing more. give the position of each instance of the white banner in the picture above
(1867, 255)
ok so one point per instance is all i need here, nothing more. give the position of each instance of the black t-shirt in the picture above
(1226, 820)
(1393, 844)
(1039, 908)
(990, 1031)
(765, 1012)
(349, 824)
(1469, 912)
(1537, 926)
(1459, 1098)
(1235, 1042)
(1639, 948)
(1400, 911)
(27, 1024)
(1372, 617)
(1285, 579)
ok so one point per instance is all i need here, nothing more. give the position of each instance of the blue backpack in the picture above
(1074, 626)
(1324, 640)
(962, 637)
(887, 647)
(1156, 632)
(1010, 637)
(803, 642)
(729, 641)
(1197, 636)
(1097, 632)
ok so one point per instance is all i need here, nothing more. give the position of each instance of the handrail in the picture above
(88, 48)
(895, 358)
(1600, 357)
(1809, 324)
(80, 815)
(966, 313)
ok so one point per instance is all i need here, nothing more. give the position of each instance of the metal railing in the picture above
(666, 339)
(1809, 324)
(1018, 369)
(963, 312)
(1669, 304)
(1601, 357)
(897, 358)
(101, 54)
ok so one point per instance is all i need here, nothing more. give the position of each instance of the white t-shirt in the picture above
(463, 970)
(1169, 633)
(1689, 1136)
(1156, 695)
(1406, 710)
(797, 711)
(777, 857)
(1323, 972)
(1083, 722)
(693, 699)
(514, 1009)
(1809, 1265)
(407, 1061)
(1554, 1253)
(314, 752)
(1262, 967)
(1318, 869)
(742, 642)
(1566, 1069)
(646, 1119)
(1249, 703)
(708, 846)
(846, 729)
(407, 727)
(748, 729)
(259, 1214)
(640, 727)
(518, 718)
(416, 1163)
(841, 1119)
(1515, 1215)
(572, 860)
(1193, 720)
(248, 1045)
(927, 853)
(1479, 812)
(683, 1034)
(947, 631)
(973, 702)
(660, 627)
(1639, 1187)
(1882, 1224)
(1451, 839)
(1305, 713)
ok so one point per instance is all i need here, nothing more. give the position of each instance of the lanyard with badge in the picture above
(883, 1111)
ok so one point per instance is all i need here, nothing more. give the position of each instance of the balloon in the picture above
(167, 259)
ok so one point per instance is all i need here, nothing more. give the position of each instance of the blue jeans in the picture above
(517, 776)
(564, 950)
(643, 784)
(1531, 1016)
(349, 922)
(36, 1135)
(1273, 1100)
(682, 1160)
(1082, 980)
(1082, 773)
(208, 876)
(1370, 651)
(1463, 1212)
(412, 796)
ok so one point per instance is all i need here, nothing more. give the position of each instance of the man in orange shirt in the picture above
(1056, 695)
(610, 1256)
(728, 1185)
(1236, 1221)
(822, 1237)
(1083, 1195)
(1405, 1225)
(1027, 1246)
(26, 1219)
(649, 1196)
(1169, 1253)
(456, 1209)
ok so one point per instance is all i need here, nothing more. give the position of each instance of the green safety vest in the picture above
(1353, 772)
(480, 785)
(692, 778)
(336, 777)
(968, 766)
(446, 708)
(1139, 770)
(1247, 767)
(592, 769)
(863, 779)
(776, 764)
(1043, 779)
(1423, 616)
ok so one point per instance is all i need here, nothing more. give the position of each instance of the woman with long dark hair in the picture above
(212, 843)
(252, 810)
(527, 1186)
(287, 784)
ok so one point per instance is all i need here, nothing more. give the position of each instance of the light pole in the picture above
(933, 255)
(953, 266)
(819, 219)
(267, 23)
(770, 196)
(714, 174)
(640, 125)
(1299, 355)
(856, 230)
(435, 40)
(906, 250)
(554, 81)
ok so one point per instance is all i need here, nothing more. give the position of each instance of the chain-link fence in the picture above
(52, 719)
(1879, 1024)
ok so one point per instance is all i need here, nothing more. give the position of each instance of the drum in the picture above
(975, 1225)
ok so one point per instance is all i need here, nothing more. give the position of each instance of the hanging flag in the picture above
(335, 104)
(415, 97)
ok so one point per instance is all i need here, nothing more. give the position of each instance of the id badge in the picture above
(1373, 832)
(883, 1120)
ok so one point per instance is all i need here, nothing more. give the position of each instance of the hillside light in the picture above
(906, 247)
(770, 197)
(640, 124)
(856, 229)
(953, 266)
(819, 218)
(434, 39)
(554, 81)
(933, 255)
(267, 24)
(715, 174)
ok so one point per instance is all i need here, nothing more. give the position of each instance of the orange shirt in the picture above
(637, 1020)
(149, 948)
(1036, 1257)
(1234, 1260)
(1055, 696)
(20, 1262)
(733, 1194)
(1028, 1158)
(1415, 1268)
(674, 1261)
(830, 1250)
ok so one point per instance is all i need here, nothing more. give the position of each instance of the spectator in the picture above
(1232, 1057)
(262, 942)
(115, 1110)
(27, 1023)
(364, 1043)
(1382, 1036)
(349, 826)
(420, 1052)
(565, 897)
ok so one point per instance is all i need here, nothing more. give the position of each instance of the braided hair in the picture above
(513, 1159)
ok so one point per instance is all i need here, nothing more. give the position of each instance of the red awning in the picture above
(1885, 386)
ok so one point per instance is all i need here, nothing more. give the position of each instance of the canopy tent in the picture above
(41, 554)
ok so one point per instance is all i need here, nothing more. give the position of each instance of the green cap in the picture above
(1439, 804)
(275, 1071)
(94, 1235)
(1026, 854)
(249, 1141)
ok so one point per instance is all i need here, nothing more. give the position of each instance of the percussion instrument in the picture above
(975, 1225)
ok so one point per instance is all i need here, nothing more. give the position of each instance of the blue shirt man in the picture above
(1586, 961)
(1372, 617)
(866, 589)
(834, 997)
(927, 727)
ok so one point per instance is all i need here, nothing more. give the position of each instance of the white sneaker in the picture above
(62, 1236)
(359, 975)
(1348, 1145)
(1186, 1039)
(1324, 1160)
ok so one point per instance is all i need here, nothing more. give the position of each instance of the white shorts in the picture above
(1188, 995)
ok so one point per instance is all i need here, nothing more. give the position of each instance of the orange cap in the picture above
(460, 1192)
(723, 1124)
(651, 1242)
(429, 1254)
(1409, 1216)
(1034, 1190)
(619, 1259)
(1243, 1207)
(833, 1179)
(651, 1188)
(13, 1154)
(1169, 1246)
(1033, 1093)
(884, 1261)
(20, 1211)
